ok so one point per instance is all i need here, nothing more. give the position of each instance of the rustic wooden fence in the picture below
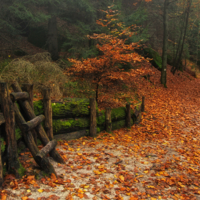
(70, 118)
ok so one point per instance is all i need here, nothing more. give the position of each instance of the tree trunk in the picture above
(52, 33)
(177, 63)
(165, 44)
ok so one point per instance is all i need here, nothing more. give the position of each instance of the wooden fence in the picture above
(70, 118)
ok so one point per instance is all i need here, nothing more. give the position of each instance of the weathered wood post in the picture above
(48, 113)
(93, 119)
(1, 169)
(39, 129)
(27, 87)
(108, 120)
(128, 115)
(9, 115)
(142, 106)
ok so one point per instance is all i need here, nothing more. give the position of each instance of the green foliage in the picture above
(2, 145)
(70, 125)
(4, 63)
(38, 107)
(137, 17)
(156, 59)
(38, 36)
(125, 65)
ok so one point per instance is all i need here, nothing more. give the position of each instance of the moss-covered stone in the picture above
(69, 125)
(157, 60)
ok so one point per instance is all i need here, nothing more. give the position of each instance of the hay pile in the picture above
(37, 69)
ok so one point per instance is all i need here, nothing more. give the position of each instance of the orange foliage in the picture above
(104, 68)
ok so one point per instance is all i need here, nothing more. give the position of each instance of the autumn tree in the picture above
(114, 50)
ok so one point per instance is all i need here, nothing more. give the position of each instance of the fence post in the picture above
(27, 87)
(48, 113)
(93, 120)
(108, 120)
(9, 115)
(128, 115)
(142, 106)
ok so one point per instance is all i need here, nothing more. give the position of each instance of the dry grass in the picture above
(38, 70)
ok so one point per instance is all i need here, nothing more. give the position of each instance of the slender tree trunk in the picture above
(165, 44)
(52, 33)
(177, 64)
(97, 92)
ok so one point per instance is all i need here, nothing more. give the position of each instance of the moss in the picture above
(70, 107)
(101, 117)
(18, 133)
(39, 142)
(157, 60)
(4, 170)
(3, 146)
(98, 130)
(70, 125)
(120, 124)
(116, 115)
(38, 107)
(21, 170)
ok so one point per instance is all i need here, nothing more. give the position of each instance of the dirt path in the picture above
(118, 168)
(157, 159)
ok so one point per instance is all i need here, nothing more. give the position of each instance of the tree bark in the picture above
(176, 65)
(165, 44)
(52, 33)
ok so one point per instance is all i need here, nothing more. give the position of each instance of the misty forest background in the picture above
(167, 31)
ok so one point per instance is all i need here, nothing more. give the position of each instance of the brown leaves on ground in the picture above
(156, 159)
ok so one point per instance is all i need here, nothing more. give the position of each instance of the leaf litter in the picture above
(156, 159)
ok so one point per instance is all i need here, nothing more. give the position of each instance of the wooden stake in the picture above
(142, 106)
(40, 130)
(108, 120)
(48, 124)
(1, 169)
(29, 88)
(28, 137)
(93, 120)
(9, 115)
(128, 115)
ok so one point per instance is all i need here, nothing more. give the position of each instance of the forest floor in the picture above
(156, 159)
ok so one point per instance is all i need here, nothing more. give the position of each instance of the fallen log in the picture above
(69, 108)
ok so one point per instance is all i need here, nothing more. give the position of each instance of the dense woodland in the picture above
(165, 31)
(122, 53)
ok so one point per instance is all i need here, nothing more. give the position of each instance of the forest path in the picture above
(156, 159)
